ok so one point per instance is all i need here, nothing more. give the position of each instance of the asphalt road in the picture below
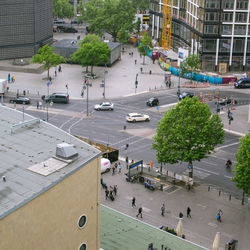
(107, 127)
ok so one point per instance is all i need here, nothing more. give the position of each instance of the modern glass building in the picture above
(218, 29)
(25, 26)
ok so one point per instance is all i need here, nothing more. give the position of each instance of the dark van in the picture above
(242, 83)
(57, 98)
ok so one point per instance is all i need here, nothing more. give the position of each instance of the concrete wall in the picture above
(50, 221)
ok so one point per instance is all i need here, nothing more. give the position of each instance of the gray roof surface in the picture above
(27, 147)
(73, 43)
(119, 231)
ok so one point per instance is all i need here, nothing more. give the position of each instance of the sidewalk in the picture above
(201, 228)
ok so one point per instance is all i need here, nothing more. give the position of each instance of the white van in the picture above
(105, 165)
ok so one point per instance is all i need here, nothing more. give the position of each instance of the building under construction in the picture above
(217, 29)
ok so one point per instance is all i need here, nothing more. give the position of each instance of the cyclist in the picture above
(228, 163)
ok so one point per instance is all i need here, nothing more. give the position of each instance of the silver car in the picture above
(104, 106)
(136, 117)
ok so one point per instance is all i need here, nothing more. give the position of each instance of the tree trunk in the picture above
(48, 73)
(191, 169)
(92, 69)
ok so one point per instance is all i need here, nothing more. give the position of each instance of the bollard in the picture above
(219, 192)
(230, 197)
(124, 127)
(208, 189)
(150, 72)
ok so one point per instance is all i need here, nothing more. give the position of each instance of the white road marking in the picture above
(233, 132)
(168, 105)
(212, 224)
(210, 163)
(229, 177)
(139, 93)
(211, 172)
(229, 145)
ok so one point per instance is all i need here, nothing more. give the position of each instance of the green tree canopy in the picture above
(242, 166)
(47, 57)
(145, 45)
(187, 133)
(142, 4)
(92, 52)
(62, 9)
(109, 16)
(137, 27)
(191, 64)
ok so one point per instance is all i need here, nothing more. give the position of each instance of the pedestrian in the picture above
(40, 104)
(116, 165)
(132, 53)
(122, 50)
(228, 113)
(115, 189)
(188, 212)
(153, 60)
(59, 69)
(219, 215)
(55, 73)
(50, 79)
(133, 202)
(141, 70)
(126, 162)
(37, 105)
(139, 212)
(12, 79)
(113, 170)
(163, 209)
(9, 77)
(169, 85)
(180, 215)
(107, 193)
(119, 167)
(135, 61)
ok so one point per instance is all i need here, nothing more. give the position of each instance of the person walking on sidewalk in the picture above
(113, 170)
(135, 61)
(163, 209)
(115, 189)
(107, 193)
(219, 215)
(37, 105)
(119, 167)
(139, 212)
(133, 202)
(180, 215)
(188, 212)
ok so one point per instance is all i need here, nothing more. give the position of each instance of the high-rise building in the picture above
(217, 29)
(25, 26)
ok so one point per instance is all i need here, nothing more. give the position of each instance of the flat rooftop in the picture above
(120, 231)
(33, 144)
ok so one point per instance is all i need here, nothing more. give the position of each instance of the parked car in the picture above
(104, 106)
(57, 98)
(20, 100)
(242, 83)
(91, 76)
(136, 117)
(225, 101)
(153, 101)
(185, 94)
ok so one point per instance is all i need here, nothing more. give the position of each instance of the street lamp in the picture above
(48, 83)
(136, 82)
(86, 85)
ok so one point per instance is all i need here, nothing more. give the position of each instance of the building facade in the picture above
(217, 29)
(25, 26)
(50, 186)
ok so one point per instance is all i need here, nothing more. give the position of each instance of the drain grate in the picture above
(171, 189)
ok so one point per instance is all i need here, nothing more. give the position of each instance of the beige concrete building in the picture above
(49, 187)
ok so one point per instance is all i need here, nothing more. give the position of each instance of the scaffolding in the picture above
(167, 24)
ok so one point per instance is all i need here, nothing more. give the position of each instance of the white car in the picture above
(136, 117)
(104, 106)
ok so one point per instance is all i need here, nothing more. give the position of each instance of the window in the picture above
(241, 17)
(238, 45)
(228, 4)
(242, 4)
(82, 221)
(83, 246)
(225, 45)
(211, 16)
(240, 30)
(227, 17)
(212, 4)
(210, 29)
(209, 45)
(226, 30)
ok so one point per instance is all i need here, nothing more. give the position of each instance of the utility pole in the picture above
(136, 82)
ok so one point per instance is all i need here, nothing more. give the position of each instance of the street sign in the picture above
(135, 164)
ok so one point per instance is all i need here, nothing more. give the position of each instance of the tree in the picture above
(191, 64)
(92, 52)
(47, 57)
(187, 133)
(145, 45)
(142, 5)
(242, 166)
(123, 36)
(137, 27)
(109, 16)
(62, 9)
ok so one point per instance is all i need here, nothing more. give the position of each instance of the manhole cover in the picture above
(171, 189)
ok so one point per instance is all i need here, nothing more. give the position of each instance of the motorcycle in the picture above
(131, 179)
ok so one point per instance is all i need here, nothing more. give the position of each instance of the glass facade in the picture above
(220, 28)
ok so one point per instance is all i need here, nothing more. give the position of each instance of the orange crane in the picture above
(167, 24)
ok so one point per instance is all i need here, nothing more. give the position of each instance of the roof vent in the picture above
(65, 150)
